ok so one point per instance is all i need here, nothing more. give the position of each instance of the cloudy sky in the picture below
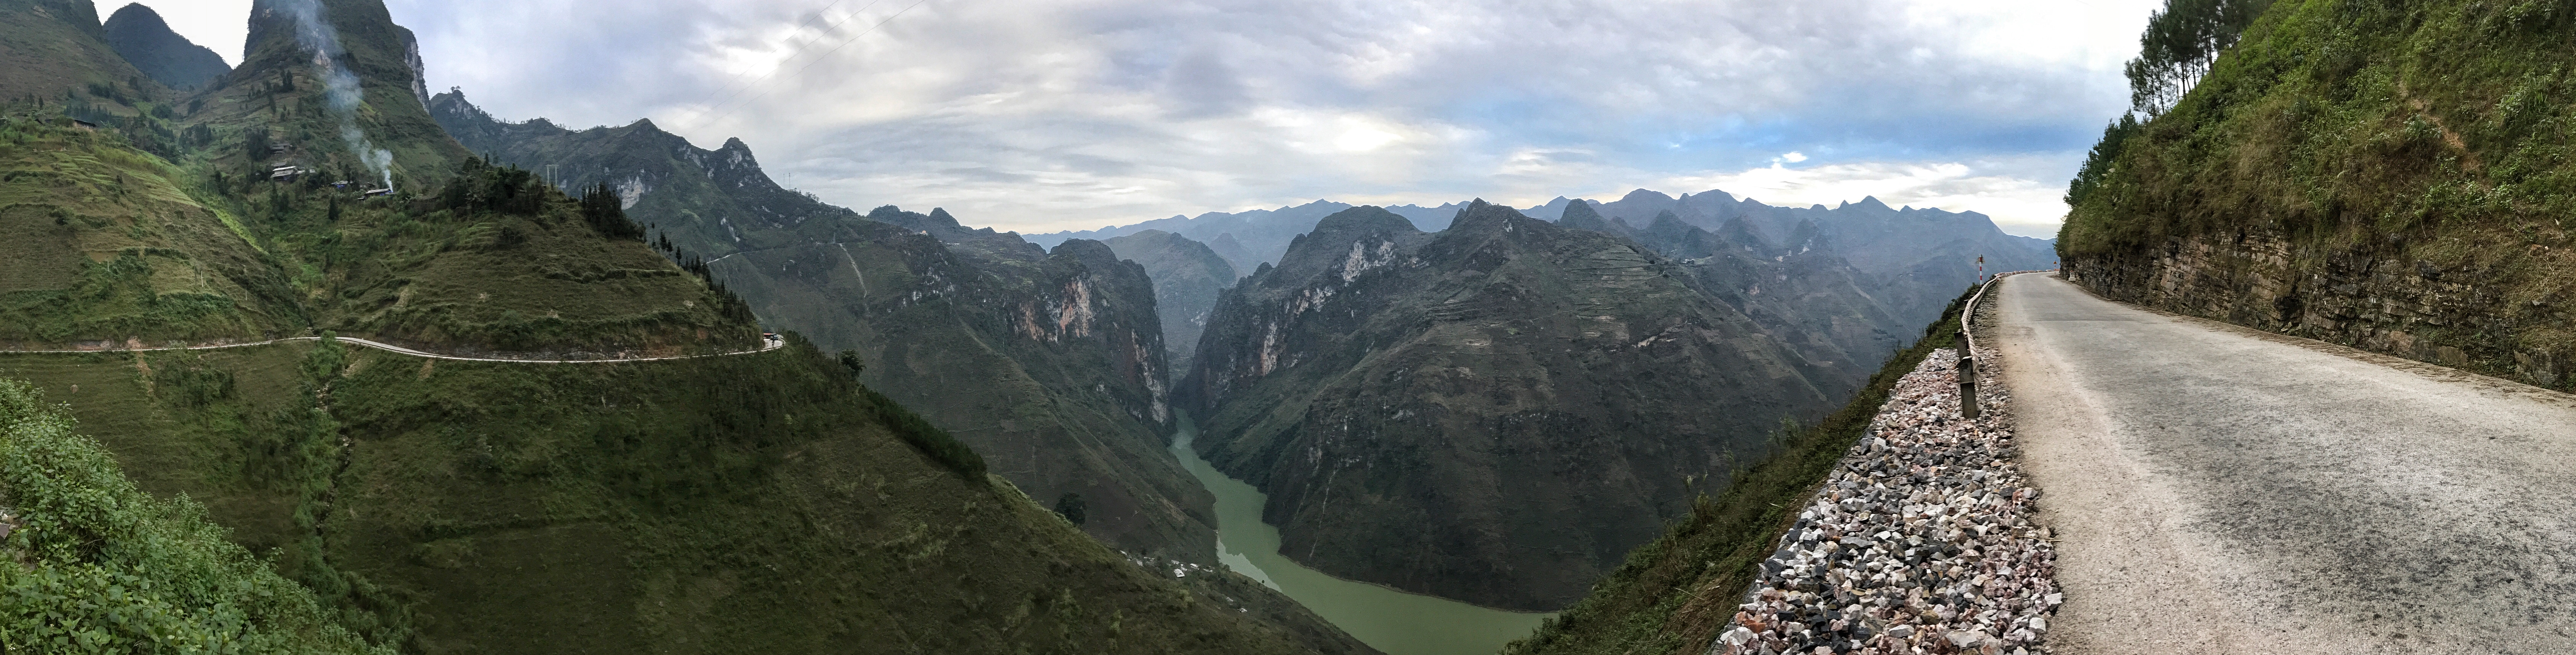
(1037, 115)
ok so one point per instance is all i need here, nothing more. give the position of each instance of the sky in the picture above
(1041, 115)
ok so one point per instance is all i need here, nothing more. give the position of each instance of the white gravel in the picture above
(1920, 541)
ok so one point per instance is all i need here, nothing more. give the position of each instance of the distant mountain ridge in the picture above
(139, 34)
(1902, 245)
(1495, 412)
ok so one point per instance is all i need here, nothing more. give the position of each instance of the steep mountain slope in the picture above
(61, 494)
(759, 502)
(1493, 413)
(1187, 276)
(340, 86)
(52, 47)
(1673, 595)
(1053, 364)
(108, 246)
(2393, 177)
(138, 34)
(1801, 291)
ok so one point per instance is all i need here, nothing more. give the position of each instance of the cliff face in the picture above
(2392, 178)
(1493, 413)
(1188, 276)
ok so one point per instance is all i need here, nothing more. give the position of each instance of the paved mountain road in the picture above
(766, 346)
(2223, 490)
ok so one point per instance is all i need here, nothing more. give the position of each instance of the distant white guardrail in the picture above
(1968, 346)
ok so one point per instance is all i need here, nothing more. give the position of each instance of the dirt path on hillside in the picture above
(2224, 490)
(766, 346)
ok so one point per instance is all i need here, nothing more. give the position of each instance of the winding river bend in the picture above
(1396, 622)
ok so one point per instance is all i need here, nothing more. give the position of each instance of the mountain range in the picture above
(764, 495)
(958, 443)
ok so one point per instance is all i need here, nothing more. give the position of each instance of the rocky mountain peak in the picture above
(1482, 218)
(1084, 250)
(137, 33)
(1646, 195)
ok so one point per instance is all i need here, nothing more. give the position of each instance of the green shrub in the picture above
(104, 568)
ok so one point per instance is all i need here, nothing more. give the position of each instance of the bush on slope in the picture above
(101, 567)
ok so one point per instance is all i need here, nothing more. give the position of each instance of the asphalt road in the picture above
(2224, 490)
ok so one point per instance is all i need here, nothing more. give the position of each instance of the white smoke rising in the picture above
(339, 85)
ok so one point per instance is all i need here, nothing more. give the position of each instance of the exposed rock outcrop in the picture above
(2477, 318)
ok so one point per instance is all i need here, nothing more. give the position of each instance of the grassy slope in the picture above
(2442, 132)
(749, 503)
(1673, 594)
(107, 246)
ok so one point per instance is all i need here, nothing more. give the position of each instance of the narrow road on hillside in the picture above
(767, 344)
(2224, 490)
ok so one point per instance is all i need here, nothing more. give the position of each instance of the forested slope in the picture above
(2391, 176)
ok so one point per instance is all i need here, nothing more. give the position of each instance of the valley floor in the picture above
(2220, 489)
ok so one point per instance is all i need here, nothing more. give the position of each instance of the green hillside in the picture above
(733, 504)
(103, 567)
(2393, 176)
(761, 502)
(108, 244)
(57, 48)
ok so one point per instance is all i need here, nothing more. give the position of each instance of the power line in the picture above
(808, 65)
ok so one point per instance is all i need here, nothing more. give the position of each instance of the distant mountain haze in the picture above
(1187, 275)
(1908, 247)
(139, 34)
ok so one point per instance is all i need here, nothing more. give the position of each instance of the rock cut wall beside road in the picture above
(2500, 321)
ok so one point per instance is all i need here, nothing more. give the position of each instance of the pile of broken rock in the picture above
(1920, 542)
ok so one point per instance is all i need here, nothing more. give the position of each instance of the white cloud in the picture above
(1040, 114)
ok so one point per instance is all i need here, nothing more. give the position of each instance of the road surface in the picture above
(767, 344)
(2224, 490)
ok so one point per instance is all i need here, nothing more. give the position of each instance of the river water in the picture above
(1396, 622)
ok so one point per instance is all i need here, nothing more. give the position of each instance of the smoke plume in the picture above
(339, 85)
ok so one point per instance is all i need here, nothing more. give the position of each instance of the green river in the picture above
(1396, 622)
